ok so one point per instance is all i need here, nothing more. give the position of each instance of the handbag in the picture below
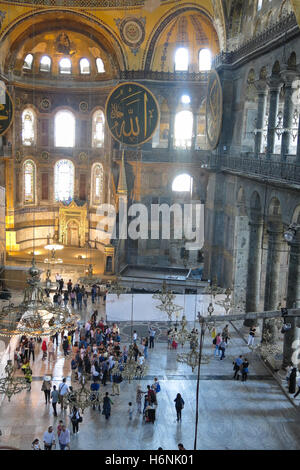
(80, 419)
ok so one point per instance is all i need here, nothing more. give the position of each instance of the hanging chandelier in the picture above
(35, 316)
(91, 279)
(167, 305)
(10, 385)
(132, 369)
(116, 287)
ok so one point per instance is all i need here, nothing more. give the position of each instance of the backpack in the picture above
(215, 340)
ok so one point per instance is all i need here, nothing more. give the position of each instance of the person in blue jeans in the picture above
(222, 348)
(217, 342)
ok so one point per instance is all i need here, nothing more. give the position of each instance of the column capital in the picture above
(261, 87)
(274, 83)
(289, 76)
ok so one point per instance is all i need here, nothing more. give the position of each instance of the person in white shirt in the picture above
(141, 359)
(62, 390)
(49, 439)
(134, 337)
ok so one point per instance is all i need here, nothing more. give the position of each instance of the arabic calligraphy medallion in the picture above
(6, 113)
(132, 113)
(214, 109)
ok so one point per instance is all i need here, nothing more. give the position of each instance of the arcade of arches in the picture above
(59, 162)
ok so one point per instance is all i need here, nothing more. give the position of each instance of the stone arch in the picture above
(94, 26)
(263, 73)
(72, 231)
(292, 61)
(274, 208)
(162, 24)
(255, 207)
(276, 68)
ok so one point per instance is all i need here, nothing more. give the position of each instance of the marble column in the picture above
(274, 90)
(195, 130)
(293, 301)
(254, 269)
(261, 111)
(288, 110)
(171, 130)
(272, 277)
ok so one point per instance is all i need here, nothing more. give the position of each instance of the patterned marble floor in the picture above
(232, 415)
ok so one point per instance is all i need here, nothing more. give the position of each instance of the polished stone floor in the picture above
(232, 415)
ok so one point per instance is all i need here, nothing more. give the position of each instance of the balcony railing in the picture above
(287, 24)
(262, 167)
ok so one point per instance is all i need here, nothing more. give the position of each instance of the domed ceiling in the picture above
(191, 30)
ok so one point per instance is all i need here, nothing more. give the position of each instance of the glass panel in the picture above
(28, 182)
(64, 181)
(65, 65)
(97, 177)
(181, 59)
(100, 65)
(183, 183)
(45, 64)
(183, 129)
(64, 129)
(204, 60)
(28, 62)
(84, 66)
(98, 129)
(28, 124)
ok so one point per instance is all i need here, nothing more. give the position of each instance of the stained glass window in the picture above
(64, 181)
(183, 129)
(98, 129)
(97, 183)
(28, 62)
(204, 60)
(84, 66)
(64, 129)
(28, 127)
(181, 59)
(183, 183)
(29, 182)
(45, 64)
(65, 65)
(100, 65)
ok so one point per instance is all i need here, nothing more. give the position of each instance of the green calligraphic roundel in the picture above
(214, 109)
(132, 113)
(6, 111)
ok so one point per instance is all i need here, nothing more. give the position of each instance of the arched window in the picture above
(65, 65)
(98, 129)
(185, 99)
(84, 66)
(100, 65)
(183, 183)
(28, 127)
(259, 5)
(28, 62)
(29, 182)
(45, 64)
(181, 59)
(183, 129)
(97, 183)
(64, 180)
(64, 128)
(204, 60)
